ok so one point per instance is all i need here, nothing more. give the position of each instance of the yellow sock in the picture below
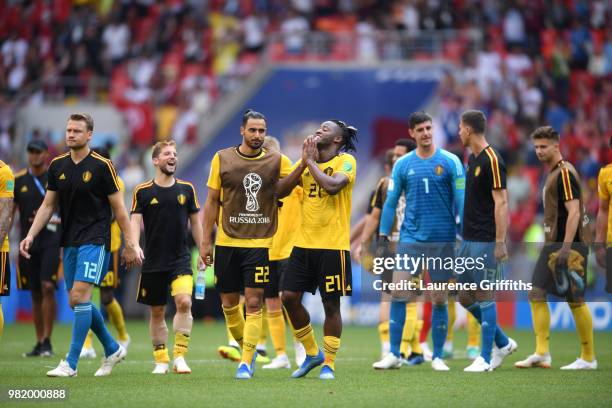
(234, 322)
(230, 337)
(276, 324)
(263, 335)
(181, 344)
(1, 321)
(473, 329)
(383, 332)
(160, 354)
(541, 325)
(409, 327)
(115, 315)
(88, 340)
(252, 327)
(415, 345)
(584, 327)
(306, 336)
(452, 315)
(331, 344)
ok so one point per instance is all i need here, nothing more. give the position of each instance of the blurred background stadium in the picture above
(148, 70)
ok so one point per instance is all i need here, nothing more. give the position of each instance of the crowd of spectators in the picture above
(524, 62)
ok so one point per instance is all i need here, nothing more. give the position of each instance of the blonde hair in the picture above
(157, 147)
(83, 117)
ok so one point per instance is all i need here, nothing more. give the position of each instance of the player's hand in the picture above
(501, 251)
(206, 253)
(600, 255)
(357, 253)
(132, 256)
(563, 254)
(24, 246)
(310, 151)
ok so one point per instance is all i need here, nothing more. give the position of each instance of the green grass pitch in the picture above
(356, 384)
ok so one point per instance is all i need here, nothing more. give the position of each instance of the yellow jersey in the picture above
(115, 230)
(604, 182)
(7, 187)
(326, 219)
(289, 215)
(214, 182)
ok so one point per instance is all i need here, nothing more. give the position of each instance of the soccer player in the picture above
(432, 181)
(39, 273)
(166, 205)
(401, 148)
(111, 281)
(242, 199)
(7, 186)
(485, 224)
(320, 257)
(86, 188)
(603, 236)
(565, 245)
(289, 215)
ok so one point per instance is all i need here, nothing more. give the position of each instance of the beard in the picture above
(254, 144)
(166, 171)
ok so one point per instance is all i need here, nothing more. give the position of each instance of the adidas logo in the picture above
(154, 201)
(62, 176)
(348, 287)
(411, 172)
(24, 189)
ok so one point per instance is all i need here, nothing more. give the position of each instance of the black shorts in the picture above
(543, 277)
(42, 266)
(154, 287)
(237, 268)
(111, 280)
(277, 269)
(326, 269)
(5, 274)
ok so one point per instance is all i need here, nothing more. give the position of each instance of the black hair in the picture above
(251, 114)
(349, 135)
(476, 120)
(417, 118)
(409, 144)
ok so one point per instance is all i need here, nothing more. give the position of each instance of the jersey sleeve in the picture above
(214, 177)
(377, 201)
(602, 180)
(458, 181)
(394, 191)
(121, 184)
(7, 182)
(497, 170)
(568, 186)
(348, 166)
(194, 205)
(137, 201)
(285, 167)
(110, 180)
(52, 177)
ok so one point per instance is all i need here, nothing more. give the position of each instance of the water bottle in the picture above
(200, 286)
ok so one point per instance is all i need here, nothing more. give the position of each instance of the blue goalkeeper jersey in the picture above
(434, 190)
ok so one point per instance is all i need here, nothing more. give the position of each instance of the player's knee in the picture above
(273, 304)
(536, 295)
(36, 296)
(158, 313)
(253, 303)
(47, 289)
(331, 307)
(183, 303)
(106, 296)
(290, 299)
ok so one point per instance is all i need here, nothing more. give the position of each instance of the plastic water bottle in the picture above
(200, 287)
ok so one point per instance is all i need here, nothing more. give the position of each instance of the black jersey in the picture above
(83, 190)
(165, 212)
(485, 173)
(29, 194)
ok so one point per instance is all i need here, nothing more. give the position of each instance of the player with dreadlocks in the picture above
(320, 256)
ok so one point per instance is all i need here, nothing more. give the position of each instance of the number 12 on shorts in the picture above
(91, 270)
(262, 274)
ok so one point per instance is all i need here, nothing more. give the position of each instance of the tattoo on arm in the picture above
(6, 215)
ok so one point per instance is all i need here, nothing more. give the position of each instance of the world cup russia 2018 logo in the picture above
(252, 184)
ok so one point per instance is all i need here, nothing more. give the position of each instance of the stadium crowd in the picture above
(523, 62)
